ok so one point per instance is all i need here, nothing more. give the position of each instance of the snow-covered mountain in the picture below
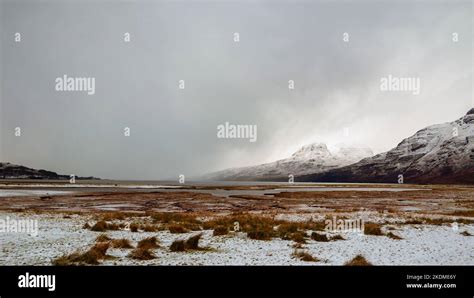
(441, 153)
(12, 171)
(310, 158)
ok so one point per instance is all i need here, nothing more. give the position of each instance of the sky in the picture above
(336, 97)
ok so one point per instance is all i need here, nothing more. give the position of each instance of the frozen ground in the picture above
(422, 245)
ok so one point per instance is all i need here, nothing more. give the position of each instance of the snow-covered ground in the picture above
(421, 245)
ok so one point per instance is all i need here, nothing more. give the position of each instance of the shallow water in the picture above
(40, 189)
(28, 192)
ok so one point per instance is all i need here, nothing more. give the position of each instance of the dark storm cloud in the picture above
(173, 131)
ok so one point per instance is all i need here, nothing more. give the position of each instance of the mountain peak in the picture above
(314, 150)
(470, 112)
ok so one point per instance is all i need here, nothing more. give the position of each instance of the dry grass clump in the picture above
(134, 227)
(298, 237)
(262, 227)
(319, 237)
(121, 243)
(141, 253)
(393, 236)
(178, 245)
(117, 215)
(465, 233)
(149, 228)
(358, 260)
(148, 243)
(467, 213)
(304, 256)
(102, 226)
(90, 257)
(220, 230)
(297, 245)
(191, 243)
(170, 217)
(413, 222)
(372, 229)
(337, 237)
(439, 221)
(292, 231)
(260, 234)
(177, 229)
(102, 238)
(110, 216)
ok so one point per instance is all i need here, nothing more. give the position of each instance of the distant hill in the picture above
(12, 171)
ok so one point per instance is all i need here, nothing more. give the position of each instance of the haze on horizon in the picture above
(173, 131)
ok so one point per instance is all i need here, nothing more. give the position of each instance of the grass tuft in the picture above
(141, 253)
(319, 237)
(121, 243)
(102, 238)
(148, 243)
(178, 245)
(358, 260)
(220, 230)
(304, 256)
(372, 229)
(393, 236)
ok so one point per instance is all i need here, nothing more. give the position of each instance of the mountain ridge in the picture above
(310, 157)
(439, 153)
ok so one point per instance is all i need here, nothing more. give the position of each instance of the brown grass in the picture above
(413, 222)
(358, 260)
(121, 243)
(149, 228)
(298, 237)
(465, 233)
(393, 236)
(170, 217)
(337, 237)
(178, 245)
(134, 227)
(319, 237)
(102, 238)
(372, 229)
(148, 243)
(467, 213)
(260, 234)
(177, 229)
(304, 256)
(193, 242)
(102, 226)
(141, 253)
(220, 230)
(90, 257)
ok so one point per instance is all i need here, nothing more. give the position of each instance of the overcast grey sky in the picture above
(173, 131)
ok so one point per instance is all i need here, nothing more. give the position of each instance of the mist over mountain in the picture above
(310, 158)
(440, 153)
